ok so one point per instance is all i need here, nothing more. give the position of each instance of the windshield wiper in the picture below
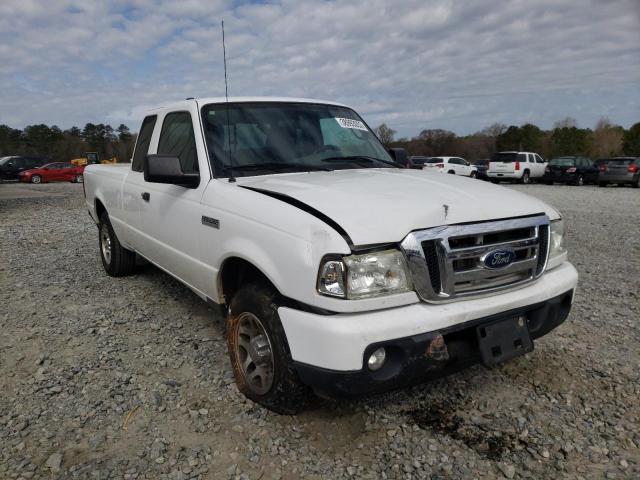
(275, 166)
(360, 159)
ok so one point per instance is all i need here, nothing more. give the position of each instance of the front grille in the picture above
(453, 261)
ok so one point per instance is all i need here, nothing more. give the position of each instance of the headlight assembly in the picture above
(366, 275)
(557, 241)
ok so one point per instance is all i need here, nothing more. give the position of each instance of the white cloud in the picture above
(413, 64)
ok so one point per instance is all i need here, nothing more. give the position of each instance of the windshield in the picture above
(249, 139)
(563, 162)
(4, 160)
(506, 157)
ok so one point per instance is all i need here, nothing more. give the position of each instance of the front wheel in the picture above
(259, 352)
(473, 175)
(116, 260)
(77, 179)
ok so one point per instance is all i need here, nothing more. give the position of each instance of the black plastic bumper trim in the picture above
(419, 358)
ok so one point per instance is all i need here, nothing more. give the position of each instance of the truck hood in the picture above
(383, 205)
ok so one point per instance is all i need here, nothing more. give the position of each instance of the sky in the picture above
(412, 64)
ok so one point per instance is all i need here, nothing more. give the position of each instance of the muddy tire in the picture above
(259, 352)
(116, 260)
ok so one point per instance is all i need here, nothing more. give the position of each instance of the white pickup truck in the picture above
(339, 272)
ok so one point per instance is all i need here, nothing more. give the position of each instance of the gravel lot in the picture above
(129, 378)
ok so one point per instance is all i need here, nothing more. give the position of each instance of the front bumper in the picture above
(338, 343)
(419, 358)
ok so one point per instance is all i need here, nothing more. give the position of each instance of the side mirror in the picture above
(399, 155)
(167, 169)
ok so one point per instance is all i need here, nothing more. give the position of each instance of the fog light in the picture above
(377, 358)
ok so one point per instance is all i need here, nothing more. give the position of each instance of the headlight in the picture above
(557, 242)
(366, 275)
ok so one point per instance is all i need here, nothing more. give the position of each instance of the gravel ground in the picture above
(129, 378)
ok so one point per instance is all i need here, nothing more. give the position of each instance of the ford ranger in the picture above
(339, 272)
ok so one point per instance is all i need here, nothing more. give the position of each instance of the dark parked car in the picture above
(483, 167)
(417, 161)
(620, 170)
(10, 167)
(572, 170)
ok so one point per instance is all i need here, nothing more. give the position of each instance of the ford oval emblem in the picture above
(501, 258)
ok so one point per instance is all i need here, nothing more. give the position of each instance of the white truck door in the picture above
(172, 214)
(134, 186)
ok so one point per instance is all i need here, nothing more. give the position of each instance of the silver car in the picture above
(620, 170)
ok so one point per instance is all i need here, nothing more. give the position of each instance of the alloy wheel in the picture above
(254, 353)
(105, 243)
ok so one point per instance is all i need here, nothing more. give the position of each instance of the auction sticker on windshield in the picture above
(349, 123)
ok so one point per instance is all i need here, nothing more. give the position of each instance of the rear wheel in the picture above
(77, 179)
(636, 183)
(451, 172)
(117, 260)
(526, 178)
(473, 175)
(578, 182)
(36, 179)
(602, 184)
(259, 352)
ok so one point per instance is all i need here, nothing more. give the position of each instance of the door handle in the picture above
(145, 196)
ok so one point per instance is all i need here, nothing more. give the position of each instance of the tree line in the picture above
(565, 138)
(64, 145)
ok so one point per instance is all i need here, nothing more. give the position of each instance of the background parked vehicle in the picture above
(452, 165)
(516, 166)
(572, 170)
(10, 167)
(53, 172)
(417, 161)
(621, 171)
(482, 167)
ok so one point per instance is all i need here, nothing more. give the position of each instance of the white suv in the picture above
(453, 165)
(516, 166)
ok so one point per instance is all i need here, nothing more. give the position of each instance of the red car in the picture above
(53, 172)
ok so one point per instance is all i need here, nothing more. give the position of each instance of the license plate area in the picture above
(503, 340)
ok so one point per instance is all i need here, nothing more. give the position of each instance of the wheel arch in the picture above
(236, 271)
(99, 208)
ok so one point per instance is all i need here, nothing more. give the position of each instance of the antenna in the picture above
(226, 94)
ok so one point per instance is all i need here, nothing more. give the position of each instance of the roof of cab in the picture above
(207, 100)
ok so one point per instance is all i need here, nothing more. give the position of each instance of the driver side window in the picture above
(177, 139)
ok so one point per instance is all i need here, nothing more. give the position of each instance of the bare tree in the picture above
(385, 134)
(607, 139)
(567, 122)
